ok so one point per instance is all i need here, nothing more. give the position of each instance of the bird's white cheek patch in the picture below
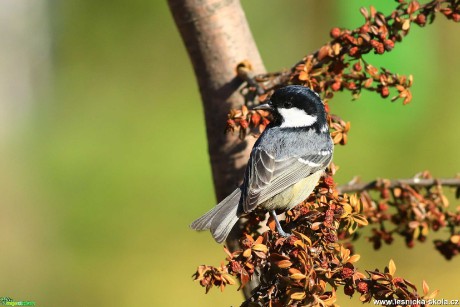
(296, 118)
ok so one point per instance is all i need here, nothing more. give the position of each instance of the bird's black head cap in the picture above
(297, 97)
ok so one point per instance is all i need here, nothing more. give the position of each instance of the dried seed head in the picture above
(335, 32)
(336, 86)
(362, 287)
(389, 44)
(420, 20)
(357, 67)
(385, 92)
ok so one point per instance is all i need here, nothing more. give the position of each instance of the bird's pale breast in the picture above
(293, 195)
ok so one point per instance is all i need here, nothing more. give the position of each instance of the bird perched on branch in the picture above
(285, 163)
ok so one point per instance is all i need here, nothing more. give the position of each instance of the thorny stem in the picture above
(414, 182)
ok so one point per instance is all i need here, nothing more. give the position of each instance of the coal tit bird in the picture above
(285, 164)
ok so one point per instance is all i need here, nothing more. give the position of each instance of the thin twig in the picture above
(244, 71)
(414, 182)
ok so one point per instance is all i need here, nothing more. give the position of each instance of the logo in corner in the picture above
(8, 301)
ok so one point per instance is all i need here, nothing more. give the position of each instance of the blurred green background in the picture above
(100, 183)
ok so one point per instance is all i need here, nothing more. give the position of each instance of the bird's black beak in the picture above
(266, 106)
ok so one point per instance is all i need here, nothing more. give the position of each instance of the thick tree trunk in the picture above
(217, 37)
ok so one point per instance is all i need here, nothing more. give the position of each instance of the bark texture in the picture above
(217, 37)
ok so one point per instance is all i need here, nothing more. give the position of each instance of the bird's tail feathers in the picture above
(220, 219)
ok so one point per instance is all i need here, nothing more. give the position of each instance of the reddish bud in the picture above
(389, 44)
(351, 86)
(292, 240)
(255, 118)
(410, 243)
(377, 243)
(354, 51)
(347, 273)
(362, 287)
(385, 92)
(329, 181)
(374, 43)
(331, 238)
(456, 17)
(349, 38)
(244, 124)
(385, 193)
(364, 29)
(380, 49)
(236, 266)
(383, 207)
(388, 239)
(335, 32)
(398, 281)
(339, 210)
(329, 213)
(420, 20)
(336, 86)
(446, 11)
(348, 290)
(357, 67)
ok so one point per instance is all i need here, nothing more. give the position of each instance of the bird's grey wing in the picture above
(271, 177)
(258, 176)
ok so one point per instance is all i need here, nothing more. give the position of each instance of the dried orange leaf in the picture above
(337, 138)
(298, 296)
(432, 295)
(413, 6)
(392, 267)
(284, 264)
(304, 237)
(315, 225)
(247, 253)
(455, 239)
(298, 276)
(303, 76)
(245, 110)
(274, 257)
(426, 289)
(444, 200)
(406, 25)
(229, 278)
(293, 271)
(300, 244)
(354, 258)
(347, 209)
(360, 219)
(260, 247)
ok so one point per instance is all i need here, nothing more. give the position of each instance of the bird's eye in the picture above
(287, 105)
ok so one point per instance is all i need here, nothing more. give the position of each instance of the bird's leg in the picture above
(278, 225)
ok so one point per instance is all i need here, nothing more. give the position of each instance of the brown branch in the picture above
(414, 182)
(217, 37)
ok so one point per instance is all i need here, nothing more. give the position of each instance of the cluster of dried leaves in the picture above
(309, 267)
(411, 209)
(340, 65)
